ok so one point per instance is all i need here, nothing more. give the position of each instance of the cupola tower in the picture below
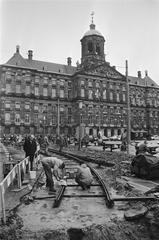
(92, 45)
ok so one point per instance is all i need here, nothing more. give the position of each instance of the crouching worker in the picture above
(53, 166)
(84, 177)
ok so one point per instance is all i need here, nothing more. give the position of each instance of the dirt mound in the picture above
(116, 230)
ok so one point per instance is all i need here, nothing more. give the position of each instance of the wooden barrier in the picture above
(4, 185)
(15, 172)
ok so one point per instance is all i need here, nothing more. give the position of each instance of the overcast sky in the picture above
(53, 29)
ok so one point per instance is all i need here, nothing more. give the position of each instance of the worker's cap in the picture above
(83, 165)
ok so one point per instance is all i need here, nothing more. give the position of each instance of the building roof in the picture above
(18, 60)
(149, 82)
(146, 81)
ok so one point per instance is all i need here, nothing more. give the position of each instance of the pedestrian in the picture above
(33, 148)
(30, 147)
(60, 142)
(84, 177)
(46, 144)
(26, 146)
(58, 167)
(86, 140)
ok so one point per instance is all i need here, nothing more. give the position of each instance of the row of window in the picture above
(153, 114)
(28, 91)
(37, 108)
(37, 120)
(103, 85)
(92, 119)
(104, 95)
(141, 102)
(38, 79)
(61, 82)
(53, 108)
(54, 93)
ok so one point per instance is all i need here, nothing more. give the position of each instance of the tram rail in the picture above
(106, 194)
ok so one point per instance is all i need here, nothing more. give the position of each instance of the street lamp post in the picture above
(80, 107)
(58, 109)
(44, 125)
(128, 110)
(58, 117)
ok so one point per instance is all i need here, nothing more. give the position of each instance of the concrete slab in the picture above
(139, 184)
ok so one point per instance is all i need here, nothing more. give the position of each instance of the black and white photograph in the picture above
(79, 120)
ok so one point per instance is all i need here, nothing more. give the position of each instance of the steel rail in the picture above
(109, 201)
(84, 158)
(59, 197)
(114, 199)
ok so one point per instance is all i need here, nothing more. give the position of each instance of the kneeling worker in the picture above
(55, 164)
(84, 177)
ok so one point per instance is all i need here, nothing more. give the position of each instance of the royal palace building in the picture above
(40, 97)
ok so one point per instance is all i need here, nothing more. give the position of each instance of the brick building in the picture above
(46, 98)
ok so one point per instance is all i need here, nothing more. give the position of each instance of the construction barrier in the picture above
(16, 172)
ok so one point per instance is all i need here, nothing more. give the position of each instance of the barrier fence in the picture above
(16, 173)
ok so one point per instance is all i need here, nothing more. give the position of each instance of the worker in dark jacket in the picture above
(84, 177)
(33, 148)
(30, 147)
(55, 164)
(26, 146)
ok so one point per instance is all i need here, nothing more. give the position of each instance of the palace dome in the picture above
(92, 31)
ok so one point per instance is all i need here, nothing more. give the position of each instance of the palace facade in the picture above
(46, 98)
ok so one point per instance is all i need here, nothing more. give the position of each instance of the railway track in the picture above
(71, 206)
(99, 188)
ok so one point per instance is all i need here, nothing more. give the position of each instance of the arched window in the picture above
(97, 49)
(90, 47)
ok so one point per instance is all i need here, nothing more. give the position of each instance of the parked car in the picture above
(155, 137)
(102, 140)
(115, 138)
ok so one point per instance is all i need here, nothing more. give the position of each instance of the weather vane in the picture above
(92, 14)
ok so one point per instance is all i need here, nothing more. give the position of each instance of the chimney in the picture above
(114, 67)
(69, 61)
(17, 48)
(30, 54)
(139, 74)
(146, 73)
